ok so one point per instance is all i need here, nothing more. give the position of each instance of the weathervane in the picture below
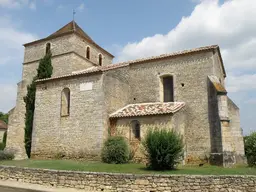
(74, 26)
(74, 12)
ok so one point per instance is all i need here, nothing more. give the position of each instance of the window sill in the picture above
(64, 115)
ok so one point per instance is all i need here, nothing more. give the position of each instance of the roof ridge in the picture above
(170, 54)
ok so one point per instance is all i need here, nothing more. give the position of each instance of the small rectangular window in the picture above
(168, 89)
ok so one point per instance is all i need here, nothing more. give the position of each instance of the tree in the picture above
(4, 117)
(44, 71)
(45, 67)
(250, 149)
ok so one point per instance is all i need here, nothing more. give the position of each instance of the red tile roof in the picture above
(127, 63)
(142, 109)
(3, 125)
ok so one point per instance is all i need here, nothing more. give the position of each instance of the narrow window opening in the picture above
(100, 59)
(135, 129)
(65, 102)
(88, 52)
(48, 48)
(168, 89)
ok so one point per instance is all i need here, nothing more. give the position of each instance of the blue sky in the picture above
(139, 28)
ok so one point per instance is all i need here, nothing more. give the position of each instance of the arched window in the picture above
(100, 59)
(65, 102)
(88, 52)
(48, 48)
(135, 129)
(168, 89)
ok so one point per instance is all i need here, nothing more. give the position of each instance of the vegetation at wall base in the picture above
(115, 150)
(3, 144)
(250, 149)
(133, 168)
(164, 149)
(44, 71)
(5, 155)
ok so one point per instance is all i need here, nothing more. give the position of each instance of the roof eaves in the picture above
(174, 54)
(69, 76)
(48, 38)
(221, 61)
(95, 44)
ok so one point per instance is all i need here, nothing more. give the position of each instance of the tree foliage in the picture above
(115, 150)
(4, 117)
(163, 149)
(250, 149)
(44, 71)
(45, 68)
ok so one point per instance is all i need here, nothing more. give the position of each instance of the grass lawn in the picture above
(128, 168)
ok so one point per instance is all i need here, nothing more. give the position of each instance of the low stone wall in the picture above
(128, 182)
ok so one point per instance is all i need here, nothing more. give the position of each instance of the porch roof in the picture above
(143, 109)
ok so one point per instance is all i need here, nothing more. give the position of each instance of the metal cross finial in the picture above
(74, 12)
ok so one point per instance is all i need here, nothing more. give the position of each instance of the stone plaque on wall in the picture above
(86, 86)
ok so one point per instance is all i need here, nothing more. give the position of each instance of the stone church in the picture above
(89, 98)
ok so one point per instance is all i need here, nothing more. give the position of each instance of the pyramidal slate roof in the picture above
(71, 27)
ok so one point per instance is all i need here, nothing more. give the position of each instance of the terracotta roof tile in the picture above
(163, 56)
(3, 125)
(142, 109)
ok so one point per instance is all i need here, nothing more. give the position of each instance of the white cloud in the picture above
(80, 7)
(11, 39)
(238, 83)
(7, 97)
(231, 25)
(17, 4)
(11, 56)
(32, 5)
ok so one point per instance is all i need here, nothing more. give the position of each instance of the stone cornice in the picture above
(67, 53)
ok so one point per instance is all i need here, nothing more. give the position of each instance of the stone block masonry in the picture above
(89, 181)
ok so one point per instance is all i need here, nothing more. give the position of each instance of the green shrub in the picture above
(163, 148)
(5, 137)
(4, 155)
(250, 149)
(2, 146)
(115, 150)
(59, 155)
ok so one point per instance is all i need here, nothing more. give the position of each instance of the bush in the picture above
(4, 155)
(115, 150)
(2, 146)
(5, 137)
(163, 148)
(250, 149)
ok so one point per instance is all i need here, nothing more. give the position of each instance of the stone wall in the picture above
(128, 182)
(80, 45)
(79, 134)
(123, 128)
(190, 86)
(236, 131)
